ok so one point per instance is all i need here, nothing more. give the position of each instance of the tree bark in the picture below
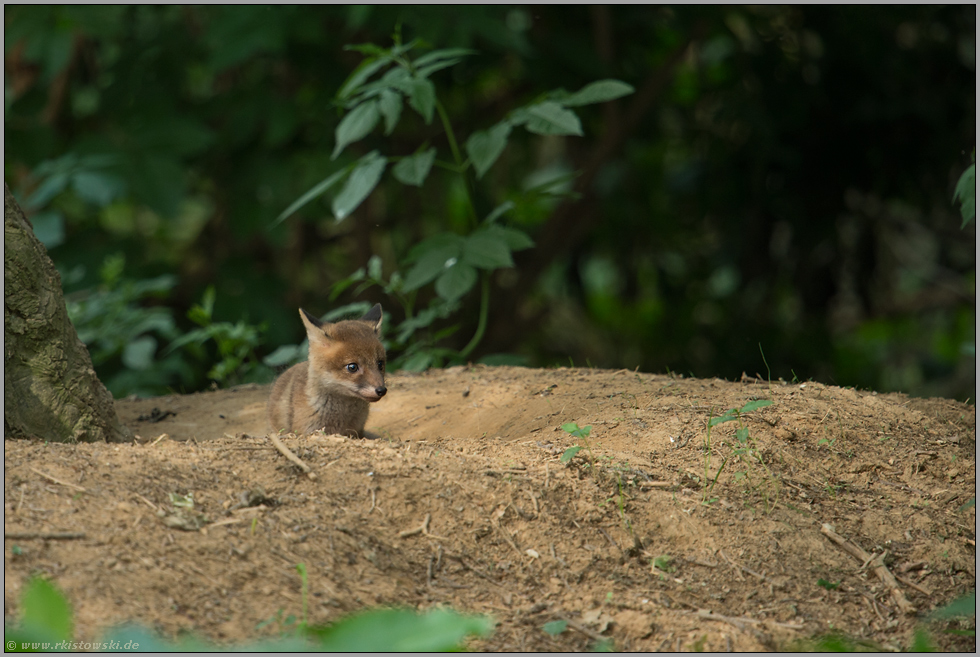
(50, 390)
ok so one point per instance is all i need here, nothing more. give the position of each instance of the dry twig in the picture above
(295, 460)
(879, 567)
(56, 536)
(58, 481)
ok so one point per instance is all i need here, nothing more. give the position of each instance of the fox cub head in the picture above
(347, 357)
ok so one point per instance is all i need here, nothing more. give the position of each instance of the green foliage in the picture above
(830, 586)
(703, 220)
(402, 630)
(448, 260)
(966, 192)
(119, 331)
(46, 617)
(45, 614)
(236, 344)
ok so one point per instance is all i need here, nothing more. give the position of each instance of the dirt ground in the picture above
(629, 540)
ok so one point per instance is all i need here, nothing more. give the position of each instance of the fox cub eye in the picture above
(351, 367)
(381, 365)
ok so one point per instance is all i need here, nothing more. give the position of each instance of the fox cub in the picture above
(333, 389)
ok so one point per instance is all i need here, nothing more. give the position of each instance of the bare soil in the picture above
(628, 540)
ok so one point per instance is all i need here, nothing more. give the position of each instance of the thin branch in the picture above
(292, 457)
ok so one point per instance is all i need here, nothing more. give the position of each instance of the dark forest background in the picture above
(776, 197)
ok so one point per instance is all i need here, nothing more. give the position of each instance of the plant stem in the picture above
(458, 157)
(450, 135)
(482, 324)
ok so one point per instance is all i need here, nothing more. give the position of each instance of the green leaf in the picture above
(727, 417)
(318, 189)
(966, 194)
(440, 252)
(49, 227)
(516, 240)
(287, 354)
(577, 431)
(418, 362)
(487, 250)
(45, 609)
(374, 267)
(413, 169)
(47, 190)
(499, 211)
(422, 97)
(570, 453)
(358, 123)
(401, 630)
(347, 311)
(444, 53)
(138, 354)
(830, 586)
(456, 281)
(362, 181)
(963, 606)
(598, 92)
(742, 434)
(485, 146)
(554, 628)
(390, 105)
(366, 69)
(426, 71)
(753, 405)
(97, 188)
(550, 118)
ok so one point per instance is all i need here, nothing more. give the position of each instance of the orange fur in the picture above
(323, 392)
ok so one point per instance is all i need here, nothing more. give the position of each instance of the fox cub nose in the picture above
(380, 391)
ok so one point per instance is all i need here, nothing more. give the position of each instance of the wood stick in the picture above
(421, 529)
(907, 582)
(737, 620)
(584, 630)
(56, 536)
(879, 567)
(295, 460)
(58, 481)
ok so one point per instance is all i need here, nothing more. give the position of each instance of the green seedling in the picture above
(582, 433)
(830, 586)
(554, 628)
(663, 563)
(743, 450)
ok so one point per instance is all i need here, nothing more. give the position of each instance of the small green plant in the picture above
(582, 433)
(236, 344)
(374, 95)
(46, 624)
(663, 563)
(830, 586)
(743, 450)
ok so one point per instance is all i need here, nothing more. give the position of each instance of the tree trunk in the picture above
(50, 390)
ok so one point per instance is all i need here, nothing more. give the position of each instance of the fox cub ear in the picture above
(375, 317)
(316, 330)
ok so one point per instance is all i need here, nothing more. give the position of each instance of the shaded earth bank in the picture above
(656, 534)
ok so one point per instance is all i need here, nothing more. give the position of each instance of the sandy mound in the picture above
(625, 541)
